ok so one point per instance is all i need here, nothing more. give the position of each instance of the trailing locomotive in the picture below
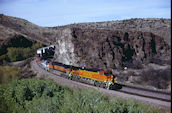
(96, 77)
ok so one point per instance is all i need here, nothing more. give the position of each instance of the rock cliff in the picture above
(101, 48)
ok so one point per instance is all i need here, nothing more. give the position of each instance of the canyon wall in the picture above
(109, 49)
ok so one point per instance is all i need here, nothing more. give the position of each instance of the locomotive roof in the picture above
(48, 47)
(75, 68)
(60, 64)
(92, 69)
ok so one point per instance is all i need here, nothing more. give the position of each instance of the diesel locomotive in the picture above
(97, 77)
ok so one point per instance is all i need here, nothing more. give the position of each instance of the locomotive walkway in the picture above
(77, 85)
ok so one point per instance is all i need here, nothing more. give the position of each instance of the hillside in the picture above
(141, 45)
(158, 26)
(11, 26)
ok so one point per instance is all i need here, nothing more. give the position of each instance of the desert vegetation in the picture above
(18, 48)
(45, 96)
(8, 74)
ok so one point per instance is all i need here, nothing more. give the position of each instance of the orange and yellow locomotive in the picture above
(92, 76)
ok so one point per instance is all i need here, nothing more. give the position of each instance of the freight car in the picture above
(96, 77)
(46, 52)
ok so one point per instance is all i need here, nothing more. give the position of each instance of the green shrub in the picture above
(3, 58)
(17, 54)
(45, 96)
(8, 73)
(31, 95)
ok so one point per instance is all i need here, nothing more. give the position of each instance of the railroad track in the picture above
(131, 90)
(163, 96)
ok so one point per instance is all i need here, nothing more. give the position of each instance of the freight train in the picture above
(97, 77)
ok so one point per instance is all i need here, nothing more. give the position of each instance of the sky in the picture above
(49, 13)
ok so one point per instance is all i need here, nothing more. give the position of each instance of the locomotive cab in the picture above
(108, 73)
(111, 79)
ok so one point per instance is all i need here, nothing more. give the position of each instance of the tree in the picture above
(15, 54)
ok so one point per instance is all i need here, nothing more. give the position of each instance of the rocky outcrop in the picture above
(65, 48)
(108, 48)
(157, 26)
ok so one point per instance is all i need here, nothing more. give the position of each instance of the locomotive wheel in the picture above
(99, 84)
(95, 83)
(103, 85)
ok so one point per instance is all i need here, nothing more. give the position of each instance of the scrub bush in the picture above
(45, 96)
